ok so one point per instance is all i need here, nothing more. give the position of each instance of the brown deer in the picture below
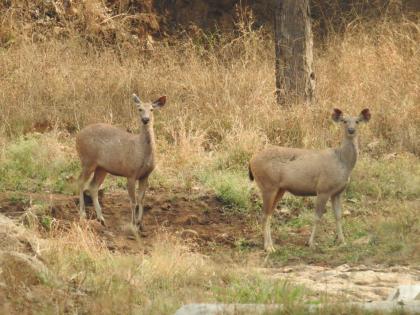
(321, 173)
(104, 149)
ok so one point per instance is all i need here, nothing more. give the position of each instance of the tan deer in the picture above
(104, 149)
(321, 173)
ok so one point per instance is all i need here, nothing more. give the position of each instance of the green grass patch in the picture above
(232, 188)
(258, 290)
(36, 163)
(390, 237)
(290, 253)
(393, 178)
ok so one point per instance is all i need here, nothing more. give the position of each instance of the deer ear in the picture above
(365, 115)
(160, 102)
(136, 99)
(337, 115)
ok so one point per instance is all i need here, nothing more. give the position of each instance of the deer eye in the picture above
(345, 121)
(357, 121)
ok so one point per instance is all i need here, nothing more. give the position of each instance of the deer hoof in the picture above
(342, 243)
(311, 244)
(102, 220)
(269, 248)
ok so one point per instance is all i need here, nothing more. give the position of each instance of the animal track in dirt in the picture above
(200, 217)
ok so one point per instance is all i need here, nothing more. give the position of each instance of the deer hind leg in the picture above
(82, 181)
(336, 205)
(131, 187)
(94, 185)
(270, 199)
(143, 184)
(321, 201)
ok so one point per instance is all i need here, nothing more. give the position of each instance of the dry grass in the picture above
(84, 277)
(91, 20)
(109, 283)
(217, 94)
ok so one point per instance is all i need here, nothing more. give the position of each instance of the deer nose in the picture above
(351, 130)
(145, 120)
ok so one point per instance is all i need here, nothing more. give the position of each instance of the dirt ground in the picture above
(202, 219)
(199, 217)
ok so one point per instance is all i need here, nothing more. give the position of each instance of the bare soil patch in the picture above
(198, 217)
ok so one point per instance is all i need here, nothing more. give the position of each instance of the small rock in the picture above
(343, 267)
(222, 236)
(228, 309)
(109, 234)
(405, 293)
(285, 211)
(189, 234)
(192, 219)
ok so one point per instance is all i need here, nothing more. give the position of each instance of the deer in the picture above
(304, 172)
(104, 148)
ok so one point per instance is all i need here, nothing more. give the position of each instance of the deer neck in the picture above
(348, 152)
(147, 138)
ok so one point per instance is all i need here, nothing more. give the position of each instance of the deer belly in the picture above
(300, 181)
(301, 192)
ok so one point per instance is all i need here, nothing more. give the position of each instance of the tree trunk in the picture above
(295, 79)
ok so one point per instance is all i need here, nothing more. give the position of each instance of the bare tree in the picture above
(295, 79)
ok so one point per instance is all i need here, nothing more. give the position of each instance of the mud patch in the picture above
(200, 218)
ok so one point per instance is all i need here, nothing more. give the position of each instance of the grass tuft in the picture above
(37, 162)
(231, 187)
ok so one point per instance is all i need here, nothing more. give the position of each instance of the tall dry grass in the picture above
(99, 281)
(221, 93)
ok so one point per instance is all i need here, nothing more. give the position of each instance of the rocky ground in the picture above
(357, 283)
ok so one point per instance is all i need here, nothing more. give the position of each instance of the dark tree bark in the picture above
(295, 79)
